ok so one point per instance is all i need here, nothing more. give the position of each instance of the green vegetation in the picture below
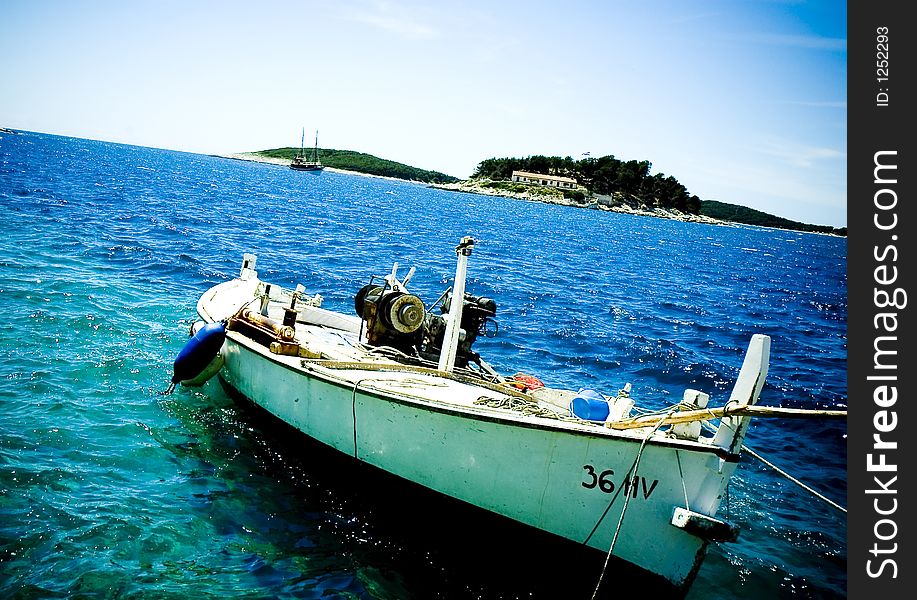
(522, 188)
(365, 163)
(575, 195)
(750, 216)
(628, 182)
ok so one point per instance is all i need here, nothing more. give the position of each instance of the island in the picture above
(360, 162)
(603, 183)
(749, 216)
(607, 183)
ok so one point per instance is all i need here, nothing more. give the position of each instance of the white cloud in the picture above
(813, 42)
(795, 153)
(394, 18)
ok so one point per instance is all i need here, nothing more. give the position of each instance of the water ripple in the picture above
(108, 489)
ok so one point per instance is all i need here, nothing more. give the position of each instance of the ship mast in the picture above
(454, 317)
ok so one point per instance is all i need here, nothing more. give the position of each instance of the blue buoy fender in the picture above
(200, 359)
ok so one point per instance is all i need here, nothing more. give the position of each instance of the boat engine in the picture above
(476, 310)
(397, 319)
(392, 317)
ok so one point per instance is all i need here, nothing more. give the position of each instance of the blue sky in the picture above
(743, 101)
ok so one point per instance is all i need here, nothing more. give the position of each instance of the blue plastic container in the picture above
(589, 405)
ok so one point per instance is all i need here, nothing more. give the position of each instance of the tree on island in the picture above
(627, 182)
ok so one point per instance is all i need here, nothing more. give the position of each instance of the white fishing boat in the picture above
(398, 386)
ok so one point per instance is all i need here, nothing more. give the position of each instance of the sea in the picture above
(110, 489)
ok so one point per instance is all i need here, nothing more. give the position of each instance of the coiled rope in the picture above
(524, 406)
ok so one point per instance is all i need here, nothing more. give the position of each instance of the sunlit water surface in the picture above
(109, 489)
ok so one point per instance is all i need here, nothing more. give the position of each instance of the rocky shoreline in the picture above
(596, 201)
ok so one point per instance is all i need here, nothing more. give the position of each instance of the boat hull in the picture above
(554, 478)
(307, 167)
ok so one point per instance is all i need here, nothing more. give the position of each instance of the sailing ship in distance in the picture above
(300, 162)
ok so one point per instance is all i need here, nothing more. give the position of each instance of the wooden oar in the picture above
(688, 416)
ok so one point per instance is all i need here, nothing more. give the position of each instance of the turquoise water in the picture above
(108, 488)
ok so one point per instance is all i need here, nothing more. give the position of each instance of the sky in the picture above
(742, 101)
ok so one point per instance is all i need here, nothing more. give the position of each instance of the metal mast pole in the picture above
(453, 327)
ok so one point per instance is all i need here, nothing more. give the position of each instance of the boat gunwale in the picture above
(471, 412)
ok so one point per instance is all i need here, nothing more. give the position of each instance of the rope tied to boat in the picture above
(632, 472)
(681, 474)
(730, 409)
(821, 497)
(353, 410)
(784, 473)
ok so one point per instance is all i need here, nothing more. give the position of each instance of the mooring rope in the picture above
(682, 475)
(821, 497)
(353, 409)
(780, 471)
(631, 473)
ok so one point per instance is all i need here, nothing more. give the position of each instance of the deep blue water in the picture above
(109, 489)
